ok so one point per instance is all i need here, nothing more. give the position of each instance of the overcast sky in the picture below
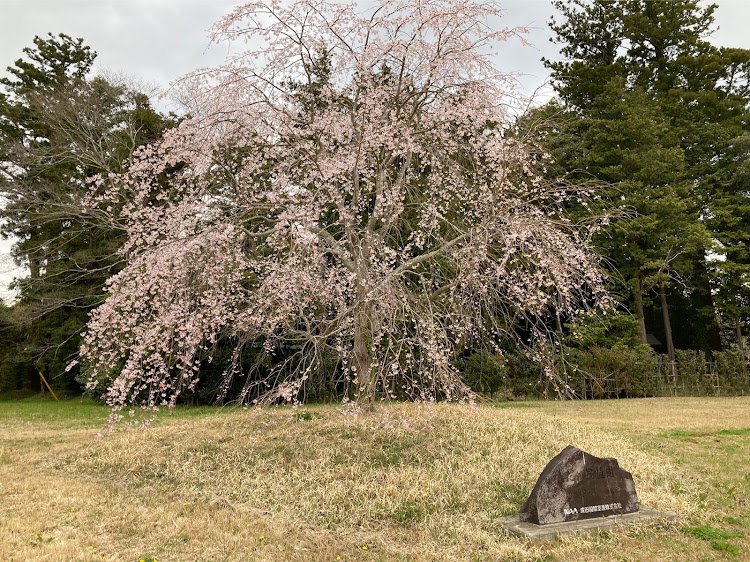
(157, 41)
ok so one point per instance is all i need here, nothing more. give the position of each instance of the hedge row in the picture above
(610, 373)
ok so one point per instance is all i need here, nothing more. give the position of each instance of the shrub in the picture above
(692, 369)
(733, 375)
(485, 372)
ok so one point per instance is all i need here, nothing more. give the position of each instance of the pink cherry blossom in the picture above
(376, 211)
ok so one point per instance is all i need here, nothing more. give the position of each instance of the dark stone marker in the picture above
(576, 485)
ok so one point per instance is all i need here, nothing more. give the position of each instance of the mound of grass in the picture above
(430, 478)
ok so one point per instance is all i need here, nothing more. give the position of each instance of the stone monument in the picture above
(578, 492)
(576, 485)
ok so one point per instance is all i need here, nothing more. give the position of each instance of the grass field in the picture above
(407, 482)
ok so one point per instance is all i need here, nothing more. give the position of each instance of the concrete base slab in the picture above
(553, 530)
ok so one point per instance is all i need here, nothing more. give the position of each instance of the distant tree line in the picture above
(648, 113)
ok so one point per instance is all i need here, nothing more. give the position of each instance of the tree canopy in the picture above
(353, 207)
(344, 190)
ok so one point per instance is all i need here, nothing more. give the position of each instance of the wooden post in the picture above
(48, 386)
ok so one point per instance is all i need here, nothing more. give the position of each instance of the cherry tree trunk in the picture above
(362, 359)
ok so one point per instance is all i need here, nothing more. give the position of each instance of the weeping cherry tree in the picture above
(345, 187)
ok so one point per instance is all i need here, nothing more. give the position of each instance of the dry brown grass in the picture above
(650, 414)
(409, 482)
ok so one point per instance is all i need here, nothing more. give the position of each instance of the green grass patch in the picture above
(511, 404)
(83, 411)
(724, 546)
(708, 533)
(745, 431)
(685, 434)
(681, 434)
(68, 413)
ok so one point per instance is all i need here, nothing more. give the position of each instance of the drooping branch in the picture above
(364, 218)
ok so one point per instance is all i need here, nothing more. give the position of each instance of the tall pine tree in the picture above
(661, 108)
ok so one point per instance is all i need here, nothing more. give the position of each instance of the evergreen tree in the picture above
(731, 217)
(57, 128)
(656, 98)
